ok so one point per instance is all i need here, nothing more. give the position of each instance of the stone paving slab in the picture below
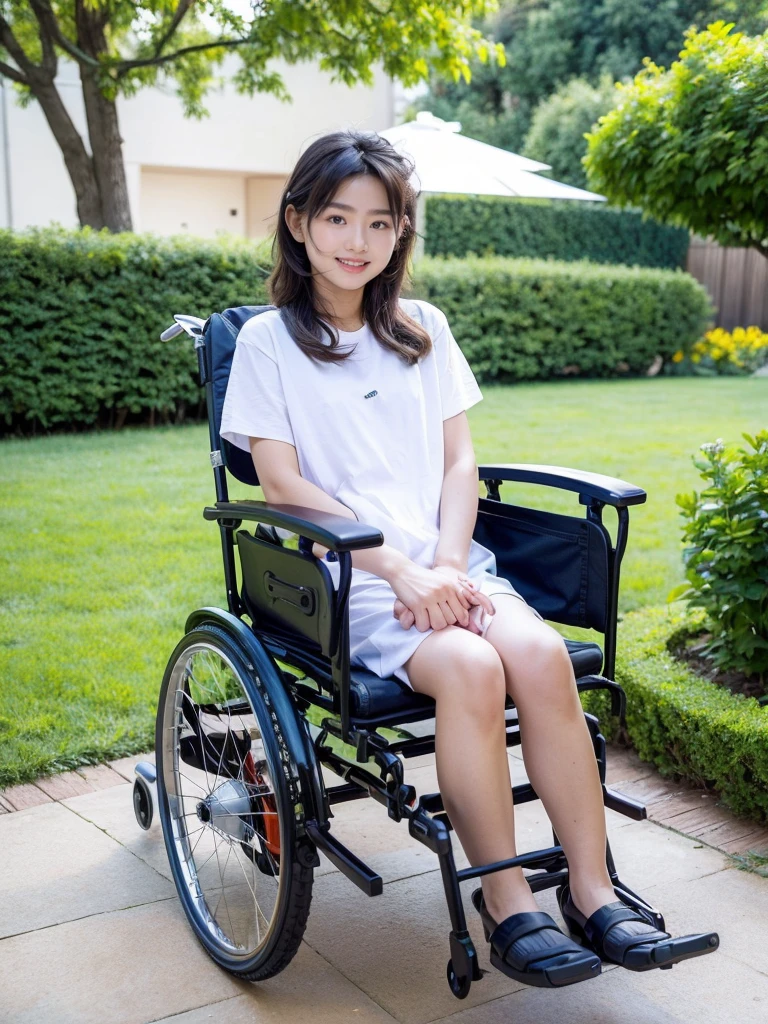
(731, 902)
(112, 811)
(125, 765)
(710, 990)
(126, 967)
(56, 867)
(395, 946)
(108, 942)
(310, 991)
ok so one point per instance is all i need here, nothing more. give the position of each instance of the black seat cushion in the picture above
(374, 697)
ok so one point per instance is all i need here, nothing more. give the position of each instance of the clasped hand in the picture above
(438, 597)
(434, 598)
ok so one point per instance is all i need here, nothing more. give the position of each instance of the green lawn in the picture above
(105, 550)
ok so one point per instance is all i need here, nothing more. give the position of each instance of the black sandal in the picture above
(637, 951)
(546, 967)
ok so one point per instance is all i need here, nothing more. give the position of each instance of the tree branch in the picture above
(13, 74)
(181, 10)
(14, 47)
(47, 20)
(124, 66)
(50, 61)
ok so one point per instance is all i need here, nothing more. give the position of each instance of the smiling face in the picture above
(350, 242)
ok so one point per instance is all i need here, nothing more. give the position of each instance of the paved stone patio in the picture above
(91, 929)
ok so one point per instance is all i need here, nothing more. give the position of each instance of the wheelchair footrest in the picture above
(346, 861)
(624, 805)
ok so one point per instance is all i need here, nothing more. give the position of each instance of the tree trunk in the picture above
(76, 159)
(103, 128)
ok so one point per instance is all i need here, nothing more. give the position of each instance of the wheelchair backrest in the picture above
(220, 338)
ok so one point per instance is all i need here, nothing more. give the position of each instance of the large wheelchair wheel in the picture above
(228, 803)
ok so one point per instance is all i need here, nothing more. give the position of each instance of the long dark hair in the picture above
(317, 177)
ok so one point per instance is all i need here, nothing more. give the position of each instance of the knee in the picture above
(475, 676)
(540, 670)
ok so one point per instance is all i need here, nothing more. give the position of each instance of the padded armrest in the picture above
(334, 532)
(593, 485)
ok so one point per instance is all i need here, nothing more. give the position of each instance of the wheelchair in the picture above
(258, 698)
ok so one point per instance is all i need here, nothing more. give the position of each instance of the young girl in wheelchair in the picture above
(353, 401)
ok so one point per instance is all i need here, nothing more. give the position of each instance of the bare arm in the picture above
(458, 501)
(432, 599)
(277, 467)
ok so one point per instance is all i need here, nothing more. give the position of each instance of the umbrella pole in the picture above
(421, 227)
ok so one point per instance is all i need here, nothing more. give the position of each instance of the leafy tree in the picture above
(122, 46)
(560, 123)
(688, 145)
(548, 42)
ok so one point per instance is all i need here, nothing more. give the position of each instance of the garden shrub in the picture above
(81, 314)
(543, 228)
(726, 557)
(537, 319)
(741, 351)
(683, 724)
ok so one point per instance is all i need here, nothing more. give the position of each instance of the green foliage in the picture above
(491, 225)
(104, 550)
(688, 145)
(560, 123)
(548, 42)
(726, 531)
(147, 42)
(82, 313)
(536, 319)
(684, 724)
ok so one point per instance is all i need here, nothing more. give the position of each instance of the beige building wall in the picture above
(186, 172)
(263, 202)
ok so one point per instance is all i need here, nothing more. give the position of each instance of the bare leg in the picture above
(556, 746)
(465, 676)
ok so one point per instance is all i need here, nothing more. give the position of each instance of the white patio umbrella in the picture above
(448, 162)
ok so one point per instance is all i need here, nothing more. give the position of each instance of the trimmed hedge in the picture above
(684, 724)
(81, 314)
(536, 319)
(541, 228)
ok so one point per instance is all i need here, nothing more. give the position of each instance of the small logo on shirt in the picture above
(371, 394)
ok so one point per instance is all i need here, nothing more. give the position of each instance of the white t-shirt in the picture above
(368, 431)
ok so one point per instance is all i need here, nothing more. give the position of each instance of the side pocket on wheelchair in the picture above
(288, 588)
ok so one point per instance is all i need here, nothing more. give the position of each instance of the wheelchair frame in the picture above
(290, 695)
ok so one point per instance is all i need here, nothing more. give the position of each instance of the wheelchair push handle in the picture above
(183, 323)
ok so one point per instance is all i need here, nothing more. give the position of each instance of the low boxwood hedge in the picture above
(498, 226)
(81, 313)
(537, 319)
(686, 725)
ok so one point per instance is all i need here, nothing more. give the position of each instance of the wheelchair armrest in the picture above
(334, 532)
(587, 485)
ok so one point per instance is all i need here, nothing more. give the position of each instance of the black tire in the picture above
(227, 785)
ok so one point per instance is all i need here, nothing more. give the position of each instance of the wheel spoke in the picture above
(219, 779)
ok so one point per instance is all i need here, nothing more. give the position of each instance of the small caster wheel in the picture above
(142, 803)
(459, 986)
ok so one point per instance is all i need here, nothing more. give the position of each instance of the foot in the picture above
(529, 947)
(622, 935)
